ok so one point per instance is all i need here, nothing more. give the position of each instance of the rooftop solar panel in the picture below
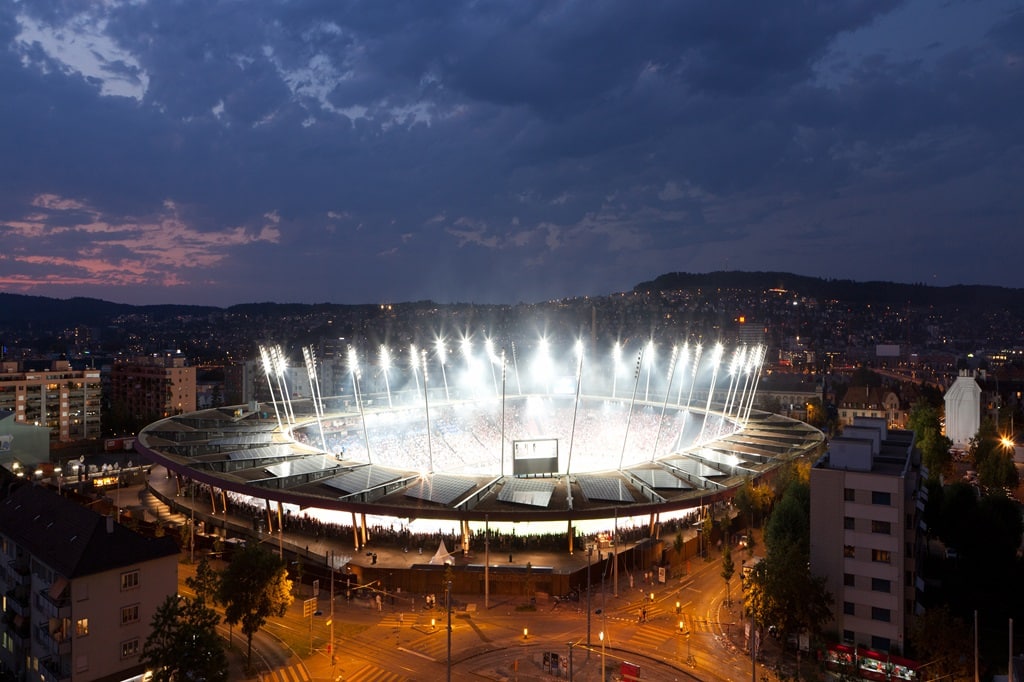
(610, 489)
(536, 493)
(363, 478)
(439, 488)
(265, 452)
(659, 479)
(304, 465)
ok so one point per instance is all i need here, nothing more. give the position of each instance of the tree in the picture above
(183, 643)
(943, 641)
(206, 582)
(781, 590)
(992, 460)
(728, 569)
(254, 587)
(678, 545)
(925, 421)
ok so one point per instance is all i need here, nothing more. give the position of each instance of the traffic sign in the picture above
(308, 607)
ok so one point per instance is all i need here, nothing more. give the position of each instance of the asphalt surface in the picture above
(701, 639)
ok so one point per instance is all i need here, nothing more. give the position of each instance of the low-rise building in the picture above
(79, 590)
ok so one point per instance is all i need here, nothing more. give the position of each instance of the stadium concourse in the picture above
(530, 443)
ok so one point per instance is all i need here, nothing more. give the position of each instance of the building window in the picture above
(848, 495)
(130, 648)
(849, 551)
(849, 609)
(82, 627)
(848, 523)
(881, 556)
(880, 643)
(129, 580)
(883, 527)
(847, 636)
(878, 613)
(848, 579)
(878, 497)
(880, 585)
(130, 614)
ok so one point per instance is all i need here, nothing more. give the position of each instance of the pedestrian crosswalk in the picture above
(291, 673)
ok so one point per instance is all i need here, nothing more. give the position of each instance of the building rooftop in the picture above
(71, 539)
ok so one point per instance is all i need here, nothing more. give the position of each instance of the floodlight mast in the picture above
(503, 373)
(716, 360)
(758, 364)
(309, 358)
(442, 356)
(632, 401)
(280, 365)
(385, 368)
(682, 368)
(693, 378)
(267, 371)
(664, 405)
(575, 412)
(747, 367)
(353, 368)
(426, 410)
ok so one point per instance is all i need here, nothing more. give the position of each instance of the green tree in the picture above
(206, 582)
(706, 526)
(782, 591)
(944, 641)
(183, 643)
(678, 545)
(925, 421)
(254, 587)
(728, 570)
(992, 460)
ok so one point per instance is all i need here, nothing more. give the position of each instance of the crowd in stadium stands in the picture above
(426, 543)
(466, 439)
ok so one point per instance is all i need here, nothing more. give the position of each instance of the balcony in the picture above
(55, 669)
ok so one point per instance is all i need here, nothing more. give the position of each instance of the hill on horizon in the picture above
(21, 308)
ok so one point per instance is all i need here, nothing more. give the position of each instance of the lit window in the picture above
(130, 614)
(849, 551)
(129, 580)
(82, 627)
(881, 556)
(130, 648)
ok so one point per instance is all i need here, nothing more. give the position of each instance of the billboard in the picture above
(536, 456)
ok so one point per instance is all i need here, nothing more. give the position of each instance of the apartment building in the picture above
(864, 519)
(64, 400)
(78, 589)
(148, 388)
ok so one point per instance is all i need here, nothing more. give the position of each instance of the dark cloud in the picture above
(499, 151)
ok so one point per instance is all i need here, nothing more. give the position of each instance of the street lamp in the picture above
(448, 604)
(590, 556)
(601, 636)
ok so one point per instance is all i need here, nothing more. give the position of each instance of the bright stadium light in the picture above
(442, 356)
(385, 367)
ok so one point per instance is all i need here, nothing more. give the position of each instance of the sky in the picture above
(217, 152)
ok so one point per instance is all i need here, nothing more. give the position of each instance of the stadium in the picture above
(538, 438)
